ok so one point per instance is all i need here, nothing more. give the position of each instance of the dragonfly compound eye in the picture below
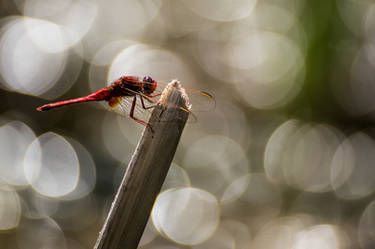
(149, 85)
(148, 79)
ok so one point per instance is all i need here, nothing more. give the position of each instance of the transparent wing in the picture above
(123, 107)
(199, 100)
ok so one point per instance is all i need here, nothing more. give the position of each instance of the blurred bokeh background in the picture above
(285, 160)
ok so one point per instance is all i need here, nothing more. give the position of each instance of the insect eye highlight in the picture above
(148, 79)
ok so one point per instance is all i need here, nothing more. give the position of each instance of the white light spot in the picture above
(10, 208)
(51, 165)
(187, 216)
(72, 20)
(318, 237)
(149, 234)
(366, 227)
(108, 52)
(47, 36)
(224, 10)
(15, 137)
(275, 150)
(102, 59)
(120, 143)
(239, 231)
(222, 239)
(40, 233)
(266, 67)
(278, 234)
(176, 178)
(116, 19)
(87, 174)
(214, 162)
(24, 66)
(141, 60)
(301, 155)
(352, 167)
(311, 158)
(236, 189)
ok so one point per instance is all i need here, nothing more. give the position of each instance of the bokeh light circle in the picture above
(366, 227)
(15, 137)
(51, 165)
(74, 19)
(214, 162)
(87, 172)
(119, 136)
(114, 21)
(10, 208)
(186, 215)
(40, 69)
(318, 237)
(225, 11)
(352, 167)
(149, 234)
(236, 188)
(275, 150)
(266, 67)
(40, 233)
(222, 239)
(309, 166)
(141, 60)
(300, 155)
(278, 233)
(99, 65)
(176, 177)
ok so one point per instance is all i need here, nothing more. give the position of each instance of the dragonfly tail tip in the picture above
(43, 108)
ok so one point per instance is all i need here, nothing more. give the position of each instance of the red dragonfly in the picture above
(122, 95)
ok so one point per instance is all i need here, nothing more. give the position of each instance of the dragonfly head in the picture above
(149, 86)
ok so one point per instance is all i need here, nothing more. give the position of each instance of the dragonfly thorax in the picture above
(129, 86)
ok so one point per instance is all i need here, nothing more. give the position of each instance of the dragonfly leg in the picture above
(131, 114)
(147, 97)
(153, 96)
(143, 104)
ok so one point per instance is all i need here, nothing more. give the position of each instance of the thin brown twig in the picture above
(146, 172)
